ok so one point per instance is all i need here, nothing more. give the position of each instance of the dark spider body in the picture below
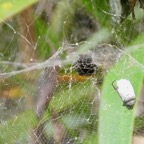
(84, 66)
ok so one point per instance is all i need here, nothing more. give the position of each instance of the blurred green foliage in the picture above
(72, 101)
(9, 8)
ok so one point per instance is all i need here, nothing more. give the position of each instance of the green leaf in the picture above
(71, 94)
(8, 8)
(17, 127)
(100, 9)
(116, 121)
(92, 139)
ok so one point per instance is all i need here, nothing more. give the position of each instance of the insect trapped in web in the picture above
(126, 92)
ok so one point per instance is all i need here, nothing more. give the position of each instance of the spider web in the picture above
(70, 116)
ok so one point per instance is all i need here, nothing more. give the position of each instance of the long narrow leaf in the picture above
(116, 121)
(9, 8)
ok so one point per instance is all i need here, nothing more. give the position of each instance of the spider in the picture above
(84, 65)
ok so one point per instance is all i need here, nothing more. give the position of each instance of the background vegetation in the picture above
(32, 32)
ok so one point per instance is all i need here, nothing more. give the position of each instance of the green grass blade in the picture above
(8, 8)
(116, 121)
